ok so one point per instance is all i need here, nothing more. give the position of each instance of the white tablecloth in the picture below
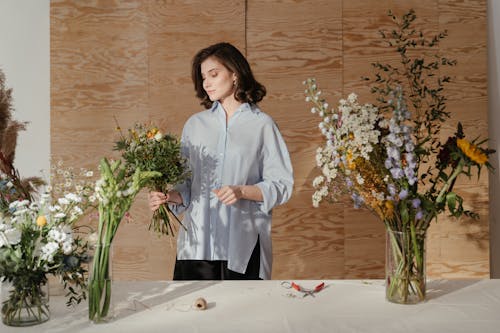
(265, 306)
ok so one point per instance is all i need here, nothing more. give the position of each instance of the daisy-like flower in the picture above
(472, 151)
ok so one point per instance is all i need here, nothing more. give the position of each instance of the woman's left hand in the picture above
(228, 195)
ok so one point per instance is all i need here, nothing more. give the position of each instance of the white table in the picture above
(265, 306)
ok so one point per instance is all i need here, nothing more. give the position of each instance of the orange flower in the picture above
(472, 151)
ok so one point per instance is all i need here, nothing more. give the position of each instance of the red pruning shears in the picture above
(306, 292)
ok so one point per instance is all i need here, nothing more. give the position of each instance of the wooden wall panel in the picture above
(289, 41)
(131, 59)
(463, 246)
(177, 30)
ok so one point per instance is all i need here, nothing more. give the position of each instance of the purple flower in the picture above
(349, 183)
(403, 194)
(397, 173)
(393, 153)
(392, 189)
(416, 203)
(358, 200)
(388, 163)
(409, 147)
(419, 215)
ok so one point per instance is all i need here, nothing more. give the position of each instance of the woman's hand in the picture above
(156, 199)
(228, 195)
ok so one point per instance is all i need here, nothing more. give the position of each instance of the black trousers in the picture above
(217, 269)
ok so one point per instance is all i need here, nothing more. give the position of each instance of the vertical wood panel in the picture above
(289, 41)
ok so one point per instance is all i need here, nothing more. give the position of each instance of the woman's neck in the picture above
(230, 105)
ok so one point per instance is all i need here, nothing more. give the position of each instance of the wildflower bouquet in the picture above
(147, 148)
(115, 192)
(390, 158)
(37, 238)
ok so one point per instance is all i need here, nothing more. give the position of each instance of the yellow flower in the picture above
(152, 132)
(389, 209)
(350, 163)
(472, 151)
(41, 221)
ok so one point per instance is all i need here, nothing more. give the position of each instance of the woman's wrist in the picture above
(251, 192)
(174, 197)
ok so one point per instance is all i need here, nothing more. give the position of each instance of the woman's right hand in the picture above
(156, 199)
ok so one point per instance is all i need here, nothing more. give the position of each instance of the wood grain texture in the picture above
(131, 59)
(288, 42)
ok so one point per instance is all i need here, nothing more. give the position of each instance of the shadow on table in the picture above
(439, 288)
(127, 299)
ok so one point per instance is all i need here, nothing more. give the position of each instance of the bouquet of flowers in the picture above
(38, 233)
(38, 238)
(148, 149)
(115, 192)
(390, 159)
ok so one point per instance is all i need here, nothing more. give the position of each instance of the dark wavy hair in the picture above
(248, 90)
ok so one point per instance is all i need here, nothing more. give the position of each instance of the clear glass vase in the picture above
(100, 283)
(25, 301)
(405, 267)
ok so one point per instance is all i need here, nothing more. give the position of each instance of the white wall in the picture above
(24, 59)
(494, 130)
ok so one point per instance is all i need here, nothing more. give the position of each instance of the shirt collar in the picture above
(243, 107)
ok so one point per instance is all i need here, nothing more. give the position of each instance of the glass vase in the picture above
(405, 267)
(99, 284)
(25, 301)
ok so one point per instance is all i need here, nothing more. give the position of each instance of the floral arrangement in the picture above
(390, 158)
(38, 232)
(148, 149)
(37, 238)
(115, 191)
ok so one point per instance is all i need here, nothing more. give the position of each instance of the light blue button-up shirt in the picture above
(249, 150)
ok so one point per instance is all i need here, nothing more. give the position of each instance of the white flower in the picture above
(67, 248)
(9, 184)
(48, 251)
(20, 212)
(73, 197)
(13, 236)
(158, 136)
(89, 173)
(63, 201)
(60, 215)
(77, 210)
(54, 208)
(318, 180)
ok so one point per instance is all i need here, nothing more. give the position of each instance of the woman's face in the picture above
(218, 81)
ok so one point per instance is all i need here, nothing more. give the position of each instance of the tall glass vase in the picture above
(99, 284)
(25, 301)
(405, 266)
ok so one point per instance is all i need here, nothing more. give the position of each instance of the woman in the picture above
(240, 170)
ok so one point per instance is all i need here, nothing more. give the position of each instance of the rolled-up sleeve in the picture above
(277, 171)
